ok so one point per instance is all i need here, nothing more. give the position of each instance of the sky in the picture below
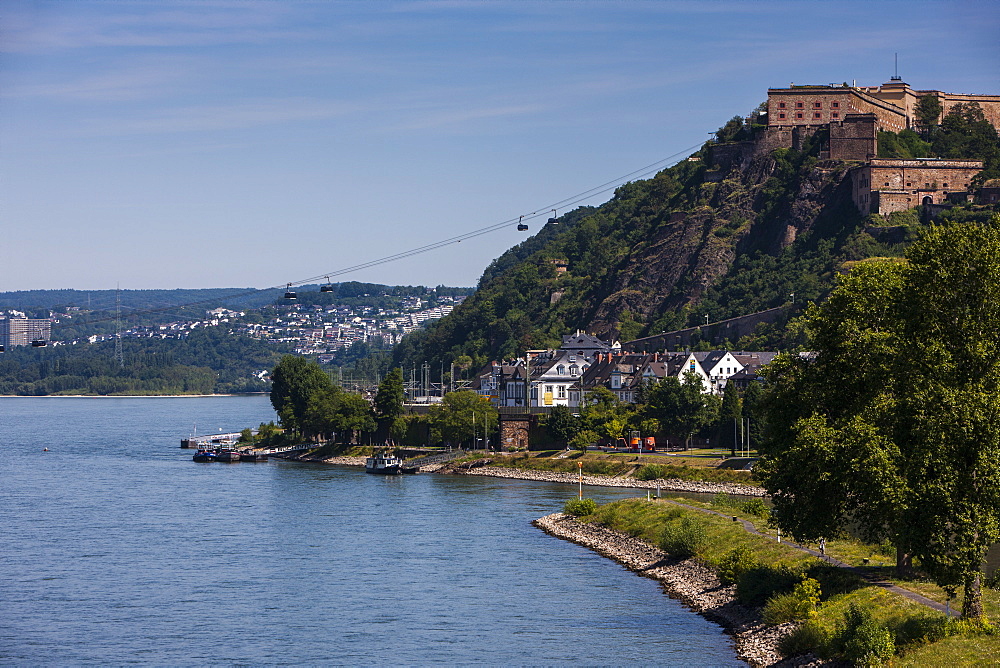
(150, 144)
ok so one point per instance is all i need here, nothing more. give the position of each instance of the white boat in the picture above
(387, 465)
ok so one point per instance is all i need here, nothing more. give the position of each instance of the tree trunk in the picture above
(972, 605)
(904, 563)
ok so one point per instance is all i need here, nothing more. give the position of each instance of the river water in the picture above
(117, 548)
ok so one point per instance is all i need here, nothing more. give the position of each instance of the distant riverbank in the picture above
(669, 485)
(127, 396)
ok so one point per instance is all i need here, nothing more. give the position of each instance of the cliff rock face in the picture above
(698, 239)
(691, 250)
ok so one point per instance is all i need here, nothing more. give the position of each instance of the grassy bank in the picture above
(842, 615)
(643, 467)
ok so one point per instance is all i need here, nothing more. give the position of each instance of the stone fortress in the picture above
(853, 116)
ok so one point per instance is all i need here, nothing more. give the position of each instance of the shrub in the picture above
(684, 538)
(809, 637)
(759, 584)
(580, 507)
(755, 507)
(865, 642)
(993, 581)
(650, 472)
(800, 603)
(737, 562)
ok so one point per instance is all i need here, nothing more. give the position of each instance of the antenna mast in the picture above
(118, 327)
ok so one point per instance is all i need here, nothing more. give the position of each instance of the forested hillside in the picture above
(709, 237)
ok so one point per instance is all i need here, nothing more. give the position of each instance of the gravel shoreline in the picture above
(687, 580)
(671, 485)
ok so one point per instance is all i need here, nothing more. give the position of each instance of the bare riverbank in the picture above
(687, 580)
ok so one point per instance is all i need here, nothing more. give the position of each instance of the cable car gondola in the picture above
(328, 287)
(521, 227)
(39, 343)
(2, 349)
(289, 294)
(553, 220)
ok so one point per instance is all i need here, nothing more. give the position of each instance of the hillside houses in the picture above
(564, 377)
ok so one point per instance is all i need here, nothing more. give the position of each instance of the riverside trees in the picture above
(895, 425)
(310, 405)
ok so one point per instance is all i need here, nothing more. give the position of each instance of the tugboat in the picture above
(387, 465)
(205, 456)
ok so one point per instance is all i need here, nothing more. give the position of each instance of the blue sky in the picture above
(206, 144)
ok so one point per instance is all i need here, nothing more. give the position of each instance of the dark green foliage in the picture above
(736, 564)
(729, 426)
(561, 424)
(684, 538)
(757, 585)
(906, 144)
(928, 111)
(389, 397)
(864, 642)
(298, 387)
(580, 507)
(208, 361)
(650, 472)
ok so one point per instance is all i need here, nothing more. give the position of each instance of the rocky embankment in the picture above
(671, 485)
(691, 582)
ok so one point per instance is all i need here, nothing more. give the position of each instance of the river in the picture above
(117, 548)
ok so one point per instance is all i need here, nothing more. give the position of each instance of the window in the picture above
(886, 183)
(562, 392)
(908, 184)
(781, 115)
(945, 185)
(817, 115)
(835, 105)
(561, 370)
(798, 115)
(817, 105)
(781, 105)
(574, 370)
(835, 115)
(798, 105)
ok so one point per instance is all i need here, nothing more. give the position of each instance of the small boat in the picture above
(387, 465)
(205, 456)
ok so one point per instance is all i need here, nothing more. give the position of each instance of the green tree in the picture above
(462, 416)
(681, 407)
(294, 381)
(321, 410)
(729, 428)
(389, 397)
(928, 111)
(353, 414)
(561, 424)
(895, 425)
(751, 411)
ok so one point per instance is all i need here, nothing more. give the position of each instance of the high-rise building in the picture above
(22, 331)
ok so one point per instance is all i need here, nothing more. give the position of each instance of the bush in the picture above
(865, 642)
(650, 472)
(684, 538)
(759, 584)
(809, 637)
(755, 507)
(580, 507)
(736, 563)
(800, 603)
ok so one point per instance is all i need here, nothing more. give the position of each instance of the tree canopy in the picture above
(894, 426)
